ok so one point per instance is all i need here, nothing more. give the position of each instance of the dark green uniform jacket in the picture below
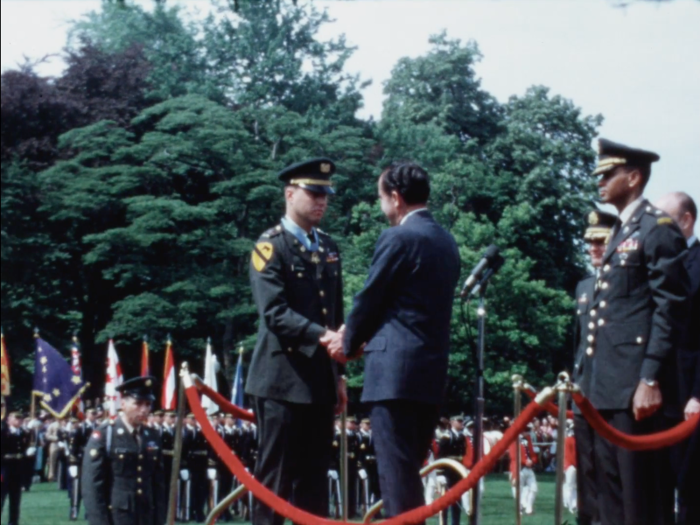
(639, 308)
(299, 295)
(584, 297)
(123, 482)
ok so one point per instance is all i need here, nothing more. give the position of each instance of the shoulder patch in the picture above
(262, 254)
(664, 220)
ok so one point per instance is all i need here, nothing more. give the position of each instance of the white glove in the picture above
(31, 451)
(62, 445)
(441, 480)
(363, 474)
(211, 474)
(185, 475)
(73, 471)
(333, 474)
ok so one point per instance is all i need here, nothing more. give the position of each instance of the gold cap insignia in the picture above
(593, 218)
(149, 383)
(325, 167)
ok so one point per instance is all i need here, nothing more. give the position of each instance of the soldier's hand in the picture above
(647, 400)
(333, 341)
(692, 408)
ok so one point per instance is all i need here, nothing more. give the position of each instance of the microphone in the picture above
(491, 260)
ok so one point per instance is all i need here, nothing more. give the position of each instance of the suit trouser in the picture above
(12, 487)
(402, 432)
(295, 448)
(586, 480)
(633, 487)
(689, 481)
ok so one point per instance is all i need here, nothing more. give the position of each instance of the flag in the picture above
(55, 384)
(5, 360)
(210, 370)
(77, 368)
(237, 391)
(145, 369)
(168, 401)
(114, 379)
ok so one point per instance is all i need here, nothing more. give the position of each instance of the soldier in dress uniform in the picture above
(77, 441)
(637, 314)
(368, 462)
(167, 439)
(295, 277)
(353, 452)
(197, 449)
(452, 445)
(123, 482)
(528, 481)
(15, 449)
(597, 234)
(231, 437)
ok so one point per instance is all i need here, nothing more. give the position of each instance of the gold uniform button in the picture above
(589, 351)
(606, 268)
(639, 340)
(623, 262)
(322, 293)
(593, 313)
(603, 304)
(601, 322)
(325, 311)
(139, 492)
(290, 350)
(303, 249)
(300, 275)
(604, 286)
(591, 338)
(139, 480)
(139, 469)
(591, 325)
(140, 456)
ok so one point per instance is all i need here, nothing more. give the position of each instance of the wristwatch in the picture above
(650, 382)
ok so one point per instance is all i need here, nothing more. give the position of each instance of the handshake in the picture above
(333, 341)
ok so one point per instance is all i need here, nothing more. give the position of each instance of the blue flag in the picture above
(55, 383)
(237, 394)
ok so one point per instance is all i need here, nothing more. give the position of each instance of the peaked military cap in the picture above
(313, 175)
(458, 417)
(366, 421)
(140, 388)
(600, 224)
(351, 419)
(611, 154)
(158, 413)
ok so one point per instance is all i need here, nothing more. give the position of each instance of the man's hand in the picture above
(647, 400)
(342, 396)
(333, 341)
(692, 408)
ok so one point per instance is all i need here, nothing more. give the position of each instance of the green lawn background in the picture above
(45, 505)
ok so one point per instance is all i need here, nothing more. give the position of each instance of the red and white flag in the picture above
(114, 379)
(6, 388)
(77, 368)
(145, 367)
(168, 401)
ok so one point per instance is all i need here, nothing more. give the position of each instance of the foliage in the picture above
(135, 188)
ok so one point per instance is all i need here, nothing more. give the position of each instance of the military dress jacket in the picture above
(298, 294)
(584, 297)
(14, 448)
(77, 441)
(122, 480)
(639, 308)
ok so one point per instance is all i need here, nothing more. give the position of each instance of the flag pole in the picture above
(32, 410)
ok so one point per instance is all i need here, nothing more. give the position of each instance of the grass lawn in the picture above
(45, 505)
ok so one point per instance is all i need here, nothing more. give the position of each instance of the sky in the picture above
(637, 64)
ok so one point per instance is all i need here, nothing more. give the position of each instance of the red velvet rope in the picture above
(302, 517)
(225, 405)
(548, 406)
(667, 438)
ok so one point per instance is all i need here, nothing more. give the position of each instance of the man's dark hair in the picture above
(407, 179)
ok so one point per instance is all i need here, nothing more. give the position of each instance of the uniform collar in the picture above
(629, 210)
(301, 235)
(412, 213)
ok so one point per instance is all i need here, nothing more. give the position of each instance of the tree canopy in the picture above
(135, 185)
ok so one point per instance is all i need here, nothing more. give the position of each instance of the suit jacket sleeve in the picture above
(95, 482)
(370, 304)
(670, 288)
(268, 288)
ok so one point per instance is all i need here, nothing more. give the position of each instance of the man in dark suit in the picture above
(295, 277)
(122, 477)
(600, 225)
(637, 316)
(681, 207)
(403, 315)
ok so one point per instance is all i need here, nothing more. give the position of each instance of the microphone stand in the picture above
(479, 409)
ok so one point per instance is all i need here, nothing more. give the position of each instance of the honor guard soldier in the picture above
(597, 235)
(353, 452)
(295, 277)
(368, 464)
(167, 439)
(452, 445)
(197, 451)
(123, 482)
(231, 436)
(77, 441)
(637, 315)
(15, 450)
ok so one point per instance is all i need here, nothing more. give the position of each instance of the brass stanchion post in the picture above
(185, 381)
(563, 388)
(517, 409)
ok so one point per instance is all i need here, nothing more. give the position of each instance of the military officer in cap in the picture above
(452, 445)
(168, 444)
(123, 482)
(597, 235)
(295, 277)
(15, 449)
(368, 463)
(637, 312)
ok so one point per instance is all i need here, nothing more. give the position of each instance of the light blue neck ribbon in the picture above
(301, 235)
